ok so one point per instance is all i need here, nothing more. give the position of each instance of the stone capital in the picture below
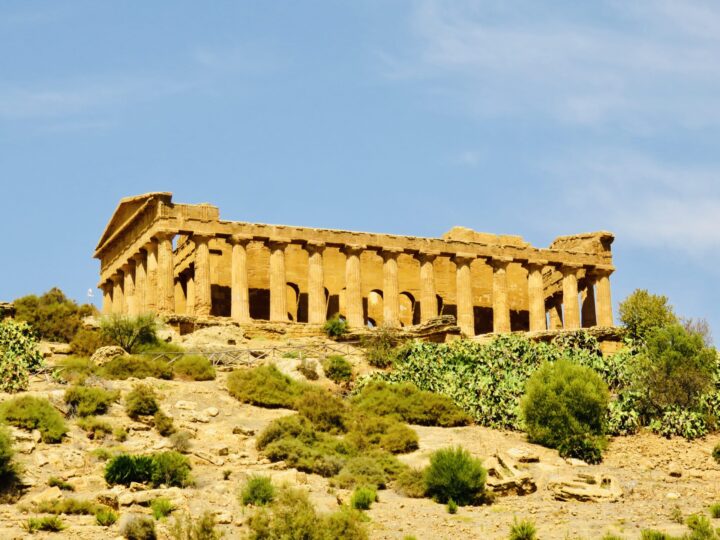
(313, 246)
(390, 253)
(353, 249)
(500, 263)
(239, 239)
(164, 234)
(140, 256)
(570, 269)
(535, 264)
(461, 259)
(427, 256)
(600, 271)
(276, 245)
(127, 267)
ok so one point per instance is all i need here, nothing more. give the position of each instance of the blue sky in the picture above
(518, 117)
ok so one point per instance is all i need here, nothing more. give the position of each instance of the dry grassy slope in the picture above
(641, 464)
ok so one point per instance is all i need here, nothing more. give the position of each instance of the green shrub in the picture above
(7, 464)
(454, 474)
(125, 469)
(716, 453)
(345, 523)
(54, 481)
(452, 507)
(411, 483)
(130, 332)
(678, 421)
(335, 327)
(139, 528)
(361, 471)
(139, 367)
(362, 498)
(399, 439)
(565, 407)
(89, 400)
(193, 368)
(163, 423)
(161, 507)
(264, 386)
(46, 523)
(381, 347)
(308, 368)
(651, 534)
(29, 412)
(642, 312)
(19, 355)
(105, 517)
(120, 434)
(141, 401)
(53, 316)
(94, 427)
(172, 469)
(715, 511)
(74, 370)
(523, 530)
(325, 411)
(410, 404)
(258, 491)
(184, 528)
(69, 506)
(337, 369)
(700, 527)
(86, 341)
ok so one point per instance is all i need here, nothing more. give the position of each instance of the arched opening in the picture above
(375, 306)
(406, 303)
(293, 300)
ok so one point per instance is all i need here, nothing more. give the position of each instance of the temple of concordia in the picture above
(182, 259)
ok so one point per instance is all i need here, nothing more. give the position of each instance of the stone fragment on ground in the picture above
(505, 478)
(104, 354)
(586, 487)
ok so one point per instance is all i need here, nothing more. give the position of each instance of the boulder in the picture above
(50, 494)
(585, 487)
(104, 354)
(505, 478)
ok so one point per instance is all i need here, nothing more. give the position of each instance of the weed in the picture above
(161, 508)
(381, 347)
(411, 483)
(69, 506)
(362, 498)
(54, 481)
(105, 516)
(523, 530)
(715, 511)
(163, 423)
(258, 491)
(47, 523)
(180, 441)
(141, 401)
(308, 368)
(139, 367)
(88, 400)
(172, 469)
(94, 427)
(74, 369)
(452, 507)
(29, 412)
(120, 434)
(335, 327)
(193, 368)
(139, 528)
(184, 528)
(337, 369)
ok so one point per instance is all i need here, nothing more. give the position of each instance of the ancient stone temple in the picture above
(168, 258)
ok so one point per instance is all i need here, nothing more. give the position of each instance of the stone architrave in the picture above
(391, 289)
(140, 281)
(464, 293)
(129, 289)
(571, 305)
(353, 286)
(151, 266)
(239, 291)
(317, 309)
(501, 308)
(428, 295)
(278, 283)
(165, 273)
(536, 295)
(604, 299)
(203, 287)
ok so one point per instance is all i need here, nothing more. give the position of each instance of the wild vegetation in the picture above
(52, 315)
(19, 355)
(29, 412)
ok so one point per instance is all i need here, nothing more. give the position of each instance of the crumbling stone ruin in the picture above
(163, 257)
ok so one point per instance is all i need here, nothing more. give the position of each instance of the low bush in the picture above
(399, 439)
(120, 434)
(361, 471)
(46, 523)
(8, 468)
(180, 441)
(715, 511)
(193, 368)
(130, 332)
(381, 347)
(125, 469)
(410, 404)
(345, 523)
(716, 453)
(452, 507)
(53, 316)
(87, 340)
(337, 369)
(325, 411)
(171, 468)
(258, 491)
(139, 367)
(565, 407)
(308, 369)
(74, 370)
(184, 528)
(163, 423)
(700, 527)
(454, 474)
(264, 386)
(161, 507)
(362, 498)
(139, 528)
(89, 400)
(29, 412)
(94, 427)
(651, 534)
(54, 481)
(105, 517)
(411, 483)
(523, 530)
(335, 327)
(69, 506)
(141, 401)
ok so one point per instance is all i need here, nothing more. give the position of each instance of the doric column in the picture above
(190, 293)
(107, 290)
(464, 294)
(536, 295)
(501, 308)
(165, 272)
(203, 289)
(353, 287)
(278, 285)
(428, 296)
(151, 281)
(391, 289)
(316, 283)
(604, 299)
(129, 289)
(239, 292)
(140, 281)
(555, 312)
(588, 314)
(571, 307)
(118, 305)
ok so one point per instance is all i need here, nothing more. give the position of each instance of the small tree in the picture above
(453, 474)
(642, 311)
(53, 316)
(130, 332)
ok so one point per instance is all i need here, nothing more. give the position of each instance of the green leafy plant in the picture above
(335, 327)
(141, 401)
(105, 517)
(337, 369)
(120, 434)
(523, 530)
(29, 412)
(89, 400)
(139, 528)
(125, 469)
(715, 511)
(19, 355)
(139, 367)
(161, 507)
(454, 474)
(53, 316)
(130, 332)
(9, 470)
(452, 507)
(193, 368)
(565, 408)
(171, 468)
(641, 312)
(258, 491)
(362, 498)
(264, 386)
(381, 347)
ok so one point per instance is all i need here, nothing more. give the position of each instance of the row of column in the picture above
(146, 284)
